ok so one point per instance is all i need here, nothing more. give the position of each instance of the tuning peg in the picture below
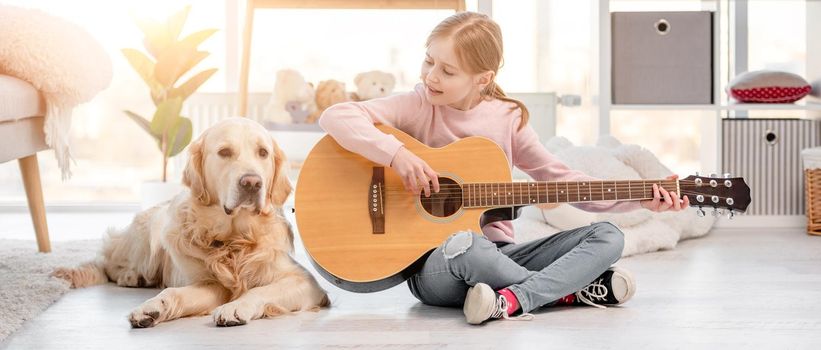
(713, 175)
(730, 215)
(697, 173)
(727, 175)
(700, 212)
(715, 212)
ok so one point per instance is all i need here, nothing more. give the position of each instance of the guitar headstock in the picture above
(727, 192)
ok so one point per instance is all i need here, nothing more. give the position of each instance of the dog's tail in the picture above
(88, 274)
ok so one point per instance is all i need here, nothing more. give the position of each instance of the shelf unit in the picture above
(803, 106)
(606, 106)
(253, 5)
(711, 122)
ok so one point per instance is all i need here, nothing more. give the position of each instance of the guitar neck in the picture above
(507, 194)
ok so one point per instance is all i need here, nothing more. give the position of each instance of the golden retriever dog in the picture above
(221, 247)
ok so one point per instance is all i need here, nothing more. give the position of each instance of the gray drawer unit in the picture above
(767, 153)
(662, 57)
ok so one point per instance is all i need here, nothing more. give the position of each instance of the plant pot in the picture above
(156, 192)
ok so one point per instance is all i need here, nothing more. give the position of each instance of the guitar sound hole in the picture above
(445, 203)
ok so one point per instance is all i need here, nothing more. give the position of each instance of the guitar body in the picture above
(364, 232)
(333, 208)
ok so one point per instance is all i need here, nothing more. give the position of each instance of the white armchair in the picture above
(22, 111)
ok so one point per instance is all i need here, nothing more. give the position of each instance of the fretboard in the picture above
(504, 194)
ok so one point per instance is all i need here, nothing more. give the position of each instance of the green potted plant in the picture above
(167, 60)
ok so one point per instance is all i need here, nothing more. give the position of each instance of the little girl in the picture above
(490, 276)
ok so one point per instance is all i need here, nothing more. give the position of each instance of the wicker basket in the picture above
(812, 186)
(811, 157)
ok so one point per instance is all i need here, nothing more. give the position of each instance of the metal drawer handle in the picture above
(771, 137)
(662, 26)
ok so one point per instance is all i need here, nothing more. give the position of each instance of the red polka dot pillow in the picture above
(765, 86)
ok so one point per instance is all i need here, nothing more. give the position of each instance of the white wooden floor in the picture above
(735, 289)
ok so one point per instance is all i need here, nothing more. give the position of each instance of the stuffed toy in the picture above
(328, 93)
(644, 231)
(298, 111)
(373, 84)
(292, 100)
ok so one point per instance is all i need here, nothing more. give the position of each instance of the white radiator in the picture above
(205, 109)
(766, 152)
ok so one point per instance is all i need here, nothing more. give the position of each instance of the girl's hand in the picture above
(665, 201)
(415, 173)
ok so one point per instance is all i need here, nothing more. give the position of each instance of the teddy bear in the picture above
(328, 93)
(298, 111)
(373, 84)
(644, 231)
(292, 100)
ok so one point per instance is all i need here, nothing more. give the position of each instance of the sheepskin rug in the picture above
(644, 230)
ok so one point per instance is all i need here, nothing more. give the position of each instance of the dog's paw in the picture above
(64, 273)
(131, 278)
(148, 314)
(235, 313)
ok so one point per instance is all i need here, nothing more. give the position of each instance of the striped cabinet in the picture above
(766, 152)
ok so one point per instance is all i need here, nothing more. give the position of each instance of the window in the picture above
(777, 40)
(777, 37)
(549, 47)
(113, 155)
(339, 44)
(675, 137)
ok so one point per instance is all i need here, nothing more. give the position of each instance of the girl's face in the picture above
(446, 82)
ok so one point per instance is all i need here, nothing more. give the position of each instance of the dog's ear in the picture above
(193, 176)
(280, 187)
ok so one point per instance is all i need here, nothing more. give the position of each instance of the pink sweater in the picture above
(351, 124)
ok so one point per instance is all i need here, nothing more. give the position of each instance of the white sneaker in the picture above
(482, 304)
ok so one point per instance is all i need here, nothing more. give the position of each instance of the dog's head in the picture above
(237, 164)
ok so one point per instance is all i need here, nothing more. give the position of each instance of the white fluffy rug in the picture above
(644, 231)
(25, 286)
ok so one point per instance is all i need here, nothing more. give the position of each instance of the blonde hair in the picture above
(477, 41)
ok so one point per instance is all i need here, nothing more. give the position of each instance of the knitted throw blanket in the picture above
(59, 59)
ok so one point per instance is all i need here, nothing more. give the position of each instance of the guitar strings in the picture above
(619, 194)
(644, 196)
(453, 189)
(542, 183)
(644, 193)
(523, 185)
(492, 202)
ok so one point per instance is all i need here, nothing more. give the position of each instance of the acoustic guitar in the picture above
(364, 232)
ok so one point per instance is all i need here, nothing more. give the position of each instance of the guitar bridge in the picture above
(376, 200)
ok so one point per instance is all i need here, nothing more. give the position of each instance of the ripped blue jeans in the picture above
(538, 272)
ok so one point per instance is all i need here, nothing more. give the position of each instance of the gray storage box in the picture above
(767, 153)
(662, 57)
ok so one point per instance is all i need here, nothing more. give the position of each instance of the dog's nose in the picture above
(250, 183)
